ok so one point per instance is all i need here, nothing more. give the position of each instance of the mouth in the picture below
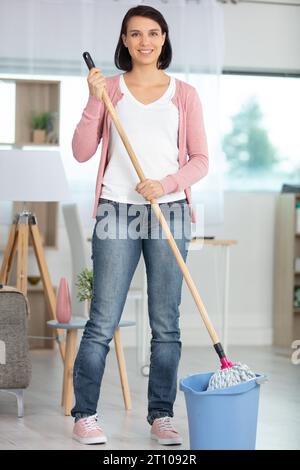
(145, 51)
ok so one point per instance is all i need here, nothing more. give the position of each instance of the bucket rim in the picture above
(232, 390)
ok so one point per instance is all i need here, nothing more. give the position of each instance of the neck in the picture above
(145, 74)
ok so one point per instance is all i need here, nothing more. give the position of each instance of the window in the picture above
(260, 117)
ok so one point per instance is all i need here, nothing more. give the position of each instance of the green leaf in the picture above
(41, 121)
(85, 285)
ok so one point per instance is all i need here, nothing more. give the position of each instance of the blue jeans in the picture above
(122, 232)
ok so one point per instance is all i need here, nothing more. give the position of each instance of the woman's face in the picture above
(144, 40)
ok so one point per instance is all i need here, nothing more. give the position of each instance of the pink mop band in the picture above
(225, 363)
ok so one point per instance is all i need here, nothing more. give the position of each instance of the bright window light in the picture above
(260, 118)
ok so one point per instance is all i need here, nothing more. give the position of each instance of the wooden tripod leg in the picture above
(48, 288)
(8, 255)
(22, 257)
(122, 369)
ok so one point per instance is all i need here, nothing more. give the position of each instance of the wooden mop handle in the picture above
(159, 214)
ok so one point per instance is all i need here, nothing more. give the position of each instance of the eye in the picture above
(154, 33)
(134, 34)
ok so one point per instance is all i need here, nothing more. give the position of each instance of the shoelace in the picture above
(91, 424)
(165, 424)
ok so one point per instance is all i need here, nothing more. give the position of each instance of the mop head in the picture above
(229, 376)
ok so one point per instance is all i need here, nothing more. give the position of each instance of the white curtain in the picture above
(202, 46)
(49, 36)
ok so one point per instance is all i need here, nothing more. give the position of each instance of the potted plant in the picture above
(85, 286)
(40, 124)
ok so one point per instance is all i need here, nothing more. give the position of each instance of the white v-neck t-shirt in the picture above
(152, 130)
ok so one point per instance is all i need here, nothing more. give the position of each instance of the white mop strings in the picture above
(230, 376)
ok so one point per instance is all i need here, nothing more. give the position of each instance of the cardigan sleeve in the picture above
(88, 132)
(196, 147)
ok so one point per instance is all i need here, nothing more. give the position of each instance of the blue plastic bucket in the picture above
(223, 418)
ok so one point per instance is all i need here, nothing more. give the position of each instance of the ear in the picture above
(124, 40)
(164, 38)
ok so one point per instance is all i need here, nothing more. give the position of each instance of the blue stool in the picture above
(71, 343)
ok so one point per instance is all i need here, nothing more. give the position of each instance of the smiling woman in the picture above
(146, 42)
(144, 35)
(144, 46)
(162, 117)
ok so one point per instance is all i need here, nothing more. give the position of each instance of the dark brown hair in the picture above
(122, 57)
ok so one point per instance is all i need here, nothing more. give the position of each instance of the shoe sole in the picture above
(167, 442)
(90, 440)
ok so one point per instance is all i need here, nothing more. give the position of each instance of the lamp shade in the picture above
(32, 175)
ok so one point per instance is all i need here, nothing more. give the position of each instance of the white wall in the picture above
(262, 37)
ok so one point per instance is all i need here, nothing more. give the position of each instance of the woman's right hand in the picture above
(96, 82)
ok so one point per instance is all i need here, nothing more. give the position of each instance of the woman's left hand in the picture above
(150, 189)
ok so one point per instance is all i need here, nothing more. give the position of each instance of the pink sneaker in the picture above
(88, 431)
(164, 433)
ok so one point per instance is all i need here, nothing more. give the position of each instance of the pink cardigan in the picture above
(95, 124)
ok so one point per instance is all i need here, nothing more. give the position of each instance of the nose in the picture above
(144, 40)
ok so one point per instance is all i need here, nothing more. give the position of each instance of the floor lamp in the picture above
(30, 175)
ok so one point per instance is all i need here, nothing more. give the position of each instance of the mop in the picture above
(229, 373)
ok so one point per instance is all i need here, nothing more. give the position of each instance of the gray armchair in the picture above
(15, 365)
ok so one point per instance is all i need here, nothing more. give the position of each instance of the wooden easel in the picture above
(25, 224)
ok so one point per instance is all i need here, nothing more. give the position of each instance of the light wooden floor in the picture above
(45, 427)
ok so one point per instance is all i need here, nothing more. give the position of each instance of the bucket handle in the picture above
(261, 380)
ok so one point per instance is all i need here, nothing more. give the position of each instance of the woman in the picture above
(163, 120)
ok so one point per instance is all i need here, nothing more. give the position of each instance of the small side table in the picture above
(71, 343)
